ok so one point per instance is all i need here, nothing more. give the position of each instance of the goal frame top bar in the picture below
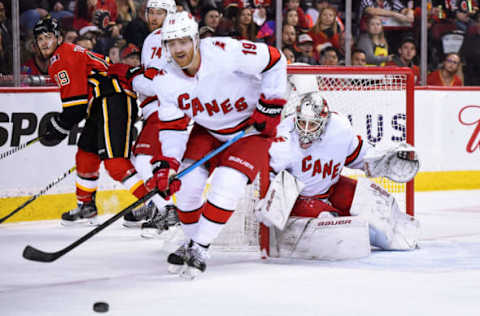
(301, 69)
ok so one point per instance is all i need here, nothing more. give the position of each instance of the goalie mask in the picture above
(178, 26)
(311, 118)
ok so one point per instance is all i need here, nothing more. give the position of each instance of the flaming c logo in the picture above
(470, 115)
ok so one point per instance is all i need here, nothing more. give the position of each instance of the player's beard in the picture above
(186, 59)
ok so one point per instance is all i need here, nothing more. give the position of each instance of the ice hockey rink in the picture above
(116, 266)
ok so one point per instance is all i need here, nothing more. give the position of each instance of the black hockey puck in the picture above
(100, 307)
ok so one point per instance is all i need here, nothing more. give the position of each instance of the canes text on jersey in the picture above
(213, 107)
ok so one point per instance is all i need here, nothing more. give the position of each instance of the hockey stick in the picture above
(19, 147)
(34, 254)
(42, 192)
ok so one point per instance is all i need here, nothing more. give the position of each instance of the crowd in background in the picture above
(385, 32)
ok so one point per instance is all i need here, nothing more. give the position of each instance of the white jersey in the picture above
(151, 57)
(225, 90)
(320, 165)
(152, 49)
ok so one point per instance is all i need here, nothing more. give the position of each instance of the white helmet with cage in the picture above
(180, 25)
(311, 117)
(167, 5)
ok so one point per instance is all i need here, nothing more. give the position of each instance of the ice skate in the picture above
(176, 259)
(160, 221)
(137, 217)
(196, 256)
(84, 213)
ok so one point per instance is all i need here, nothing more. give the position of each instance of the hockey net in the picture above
(378, 102)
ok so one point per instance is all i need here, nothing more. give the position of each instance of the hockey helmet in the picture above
(180, 25)
(311, 118)
(46, 25)
(167, 5)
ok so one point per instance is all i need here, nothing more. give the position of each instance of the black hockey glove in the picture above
(54, 131)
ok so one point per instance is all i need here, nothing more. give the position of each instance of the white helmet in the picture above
(167, 5)
(180, 25)
(311, 117)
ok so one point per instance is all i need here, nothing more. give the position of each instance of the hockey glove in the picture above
(124, 73)
(54, 130)
(164, 168)
(267, 115)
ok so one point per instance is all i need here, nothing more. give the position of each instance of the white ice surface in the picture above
(128, 272)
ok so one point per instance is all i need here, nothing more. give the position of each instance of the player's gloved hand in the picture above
(54, 131)
(124, 73)
(164, 168)
(267, 115)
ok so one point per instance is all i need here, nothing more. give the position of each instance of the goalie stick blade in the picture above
(34, 254)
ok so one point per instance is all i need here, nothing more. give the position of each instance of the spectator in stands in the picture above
(243, 27)
(86, 9)
(305, 46)
(383, 8)
(289, 54)
(447, 75)
(130, 55)
(126, 11)
(374, 43)
(326, 31)
(211, 18)
(470, 53)
(304, 23)
(69, 36)
(313, 12)
(30, 12)
(359, 58)
(289, 35)
(5, 58)
(36, 64)
(58, 9)
(5, 29)
(84, 42)
(138, 29)
(291, 18)
(406, 55)
(195, 8)
(329, 56)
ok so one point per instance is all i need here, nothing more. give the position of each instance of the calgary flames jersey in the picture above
(79, 74)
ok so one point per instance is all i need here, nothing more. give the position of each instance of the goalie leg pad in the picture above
(324, 238)
(390, 228)
(275, 208)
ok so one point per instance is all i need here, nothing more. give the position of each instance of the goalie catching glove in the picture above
(164, 170)
(55, 130)
(267, 116)
(399, 164)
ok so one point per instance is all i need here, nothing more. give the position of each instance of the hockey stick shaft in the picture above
(34, 254)
(19, 147)
(42, 192)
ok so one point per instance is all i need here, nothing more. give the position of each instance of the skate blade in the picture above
(190, 273)
(176, 268)
(129, 224)
(151, 233)
(81, 222)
